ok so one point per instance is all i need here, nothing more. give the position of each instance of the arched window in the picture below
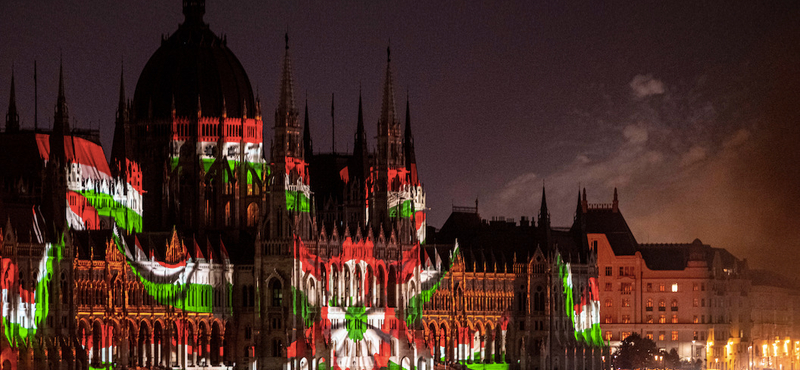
(335, 285)
(381, 286)
(662, 305)
(649, 305)
(609, 303)
(539, 302)
(358, 284)
(252, 214)
(324, 285)
(674, 306)
(277, 293)
(346, 285)
(369, 286)
(391, 293)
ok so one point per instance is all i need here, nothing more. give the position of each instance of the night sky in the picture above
(690, 110)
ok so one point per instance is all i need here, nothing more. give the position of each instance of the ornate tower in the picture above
(120, 148)
(388, 159)
(290, 193)
(12, 117)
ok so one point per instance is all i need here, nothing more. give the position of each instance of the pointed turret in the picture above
(286, 103)
(584, 203)
(388, 113)
(287, 130)
(122, 109)
(119, 146)
(579, 208)
(290, 171)
(390, 154)
(408, 148)
(308, 149)
(360, 164)
(544, 214)
(61, 119)
(615, 202)
(12, 117)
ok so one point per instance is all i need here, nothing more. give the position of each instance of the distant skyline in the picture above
(689, 109)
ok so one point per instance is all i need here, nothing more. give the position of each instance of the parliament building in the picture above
(198, 246)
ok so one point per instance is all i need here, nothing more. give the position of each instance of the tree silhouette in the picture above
(635, 352)
(671, 360)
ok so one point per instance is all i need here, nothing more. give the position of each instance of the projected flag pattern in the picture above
(334, 299)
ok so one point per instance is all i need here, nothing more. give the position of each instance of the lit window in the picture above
(649, 319)
(662, 319)
(608, 320)
(674, 335)
(674, 287)
(696, 287)
(607, 335)
(626, 302)
(649, 306)
(609, 303)
(661, 335)
(674, 319)
(662, 305)
(649, 335)
(661, 287)
(696, 320)
(626, 319)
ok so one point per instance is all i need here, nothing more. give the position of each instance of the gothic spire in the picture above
(360, 155)
(61, 119)
(361, 136)
(408, 146)
(122, 110)
(543, 213)
(308, 149)
(118, 147)
(12, 117)
(388, 111)
(286, 104)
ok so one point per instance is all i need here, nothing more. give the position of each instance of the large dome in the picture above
(193, 62)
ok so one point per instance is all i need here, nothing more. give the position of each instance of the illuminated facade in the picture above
(700, 301)
(518, 296)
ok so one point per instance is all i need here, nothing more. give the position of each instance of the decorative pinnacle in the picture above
(286, 37)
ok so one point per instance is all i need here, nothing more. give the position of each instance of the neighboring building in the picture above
(523, 294)
(775, 334)
(700, 301)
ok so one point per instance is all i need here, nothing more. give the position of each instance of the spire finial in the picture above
(389, 53)
(286, 37)
(12, 117)
(121, 105)
(308, 149)
(61, 119)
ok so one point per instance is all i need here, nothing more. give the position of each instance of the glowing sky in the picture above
(690, 110)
